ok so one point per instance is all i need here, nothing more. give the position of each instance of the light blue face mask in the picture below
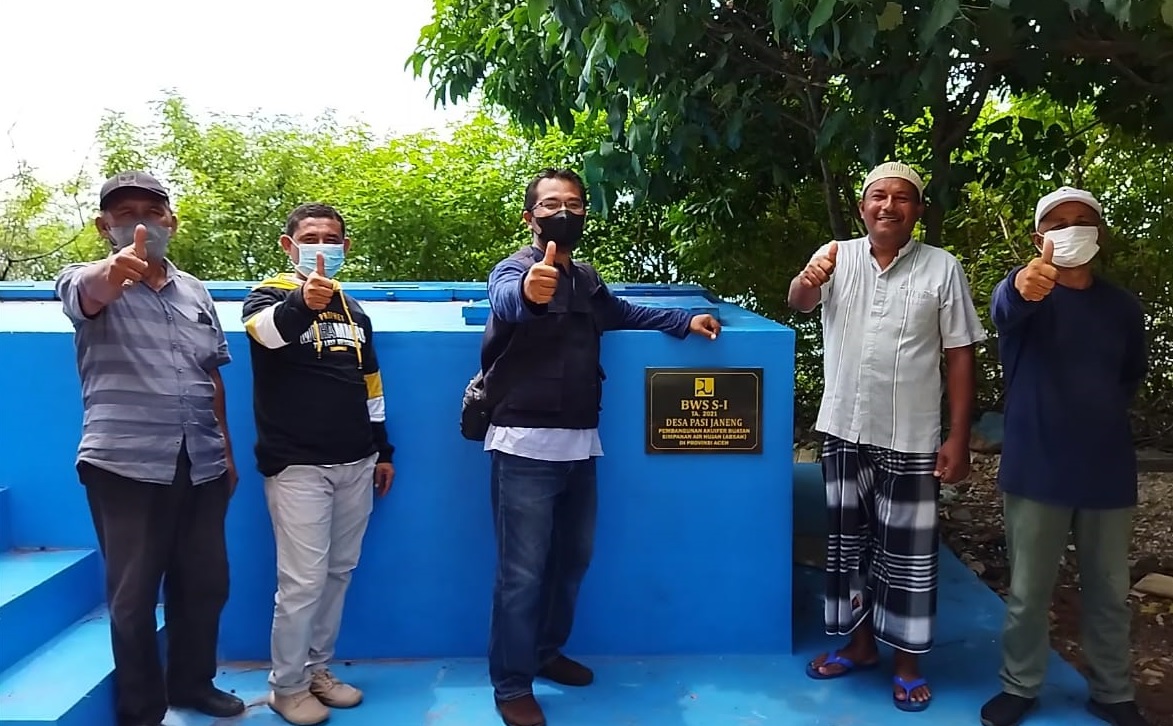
(307, 258)
(158, 238)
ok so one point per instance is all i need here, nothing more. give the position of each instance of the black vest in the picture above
(545, 372)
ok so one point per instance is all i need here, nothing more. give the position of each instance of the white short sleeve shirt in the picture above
(883, 336)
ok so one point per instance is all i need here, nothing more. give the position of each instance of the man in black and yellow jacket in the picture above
(322, 446)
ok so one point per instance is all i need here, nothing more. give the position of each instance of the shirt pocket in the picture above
(920, 306)
(197, 333)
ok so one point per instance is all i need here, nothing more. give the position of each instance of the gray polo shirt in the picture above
(144, 363)
(883, 333)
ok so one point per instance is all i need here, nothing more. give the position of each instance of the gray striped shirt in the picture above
(883, 333)
(144, 363)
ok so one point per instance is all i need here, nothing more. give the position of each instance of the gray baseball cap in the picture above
(132, 180)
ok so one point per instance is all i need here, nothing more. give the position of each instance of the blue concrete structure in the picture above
(691, 611)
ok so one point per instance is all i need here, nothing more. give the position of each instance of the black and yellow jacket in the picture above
(317, 391)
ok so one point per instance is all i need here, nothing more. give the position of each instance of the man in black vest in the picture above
(540, 355)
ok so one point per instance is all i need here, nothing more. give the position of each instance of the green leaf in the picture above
(862, 40)
(703, 82)
(537, 8)
(1029, 128)
(1119, 9)
(639, 42)
(891, 18)
(664, 27)
(631, 68)
(726, 94)
(1167, 12)
(592, 167)
(831, 129)
(821, 14)
(638, 138)
(733, 130)
(598, 47)
(780, 15)
(943, 13)
(617, 115)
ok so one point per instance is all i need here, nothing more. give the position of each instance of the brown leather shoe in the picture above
(523, 711)
(567, 672)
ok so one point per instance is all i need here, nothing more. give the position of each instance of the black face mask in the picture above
(563, 229)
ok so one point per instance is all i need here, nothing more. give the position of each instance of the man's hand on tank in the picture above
(705, 325)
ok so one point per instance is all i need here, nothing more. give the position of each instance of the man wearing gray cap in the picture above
(1073, 354)
(155, 457)
(891, 305)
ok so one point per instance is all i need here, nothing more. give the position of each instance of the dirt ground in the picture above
(972, 525)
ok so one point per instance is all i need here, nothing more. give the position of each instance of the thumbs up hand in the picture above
(818, 271)
(1036, 281)
(129, 264)
(542, 279)
(318, 290)
(140, 242)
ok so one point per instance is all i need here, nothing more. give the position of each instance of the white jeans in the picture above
(320, 515)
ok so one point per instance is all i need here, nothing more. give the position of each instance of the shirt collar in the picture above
(910, 247)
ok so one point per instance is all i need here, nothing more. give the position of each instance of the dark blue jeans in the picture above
(544, 518)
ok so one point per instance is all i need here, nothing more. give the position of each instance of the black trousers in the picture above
(173, 535)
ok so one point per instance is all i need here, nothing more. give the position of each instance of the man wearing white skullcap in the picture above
(891, 305)
(1073, 356)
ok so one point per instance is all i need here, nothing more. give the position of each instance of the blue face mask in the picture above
(158, 238)
(307, 258)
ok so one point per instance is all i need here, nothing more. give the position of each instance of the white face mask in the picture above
(1074, 246)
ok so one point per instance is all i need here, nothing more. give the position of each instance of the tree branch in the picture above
(980, 89)
(10, 262)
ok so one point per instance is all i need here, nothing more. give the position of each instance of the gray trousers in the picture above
(320, 515)
(1036, 537)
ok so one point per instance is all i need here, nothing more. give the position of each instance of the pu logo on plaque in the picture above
(703, 387)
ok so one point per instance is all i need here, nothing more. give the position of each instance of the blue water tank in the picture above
(693, 551)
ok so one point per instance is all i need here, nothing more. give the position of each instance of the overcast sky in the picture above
(66, 62)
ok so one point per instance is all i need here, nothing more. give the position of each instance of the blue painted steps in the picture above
(5, 519)
(68, 681)
(55, 659)
(41, 593)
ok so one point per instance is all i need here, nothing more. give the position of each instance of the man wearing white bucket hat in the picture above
(1073, 356)
(891, 305)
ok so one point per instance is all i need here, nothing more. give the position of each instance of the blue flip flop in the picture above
(847, 664)
(909, 686)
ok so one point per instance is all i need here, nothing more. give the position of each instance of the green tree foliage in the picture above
(418, 207)
(782, 93)
(42, 227)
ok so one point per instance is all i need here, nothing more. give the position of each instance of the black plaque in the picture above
(703, 410)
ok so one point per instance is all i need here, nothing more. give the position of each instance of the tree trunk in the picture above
(951, 124)
(840, 230)
(816, 115)
(934, 219)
